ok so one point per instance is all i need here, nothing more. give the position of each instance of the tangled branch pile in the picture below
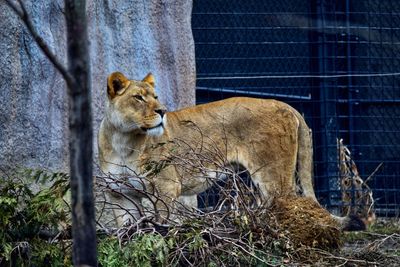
(241, 228)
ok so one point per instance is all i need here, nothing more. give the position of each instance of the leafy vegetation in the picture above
(30, 219)
(35, 231)
(143, 250)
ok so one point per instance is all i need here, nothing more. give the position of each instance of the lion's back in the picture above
(241, 116)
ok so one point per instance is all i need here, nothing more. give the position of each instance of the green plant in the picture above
(142, 250)
(29, 219)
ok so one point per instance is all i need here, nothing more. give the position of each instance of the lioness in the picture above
(267, 137)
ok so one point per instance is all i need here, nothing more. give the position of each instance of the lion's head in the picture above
(134, 106)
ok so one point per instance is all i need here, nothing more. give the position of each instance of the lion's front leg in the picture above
(188, 201)
(167, 189)
(126, 208)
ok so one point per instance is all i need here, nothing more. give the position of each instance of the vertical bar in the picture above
(325, 96)
(325, 109)
(349, 78)
(350, 93)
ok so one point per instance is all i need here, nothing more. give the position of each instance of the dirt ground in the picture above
(379, 246)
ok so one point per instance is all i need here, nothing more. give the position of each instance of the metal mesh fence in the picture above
(337, 62)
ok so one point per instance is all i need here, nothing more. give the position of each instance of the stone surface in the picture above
(134, 37)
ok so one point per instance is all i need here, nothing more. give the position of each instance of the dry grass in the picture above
(306, 223)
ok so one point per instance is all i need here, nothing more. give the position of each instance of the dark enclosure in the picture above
(337, 62)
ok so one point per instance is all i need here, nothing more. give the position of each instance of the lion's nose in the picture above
(160, 111)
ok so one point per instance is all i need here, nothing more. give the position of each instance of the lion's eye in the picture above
(139, 97)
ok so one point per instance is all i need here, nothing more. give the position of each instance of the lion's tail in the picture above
(304, 158)
(305, 175)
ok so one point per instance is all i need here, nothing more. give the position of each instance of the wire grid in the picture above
(242, 47)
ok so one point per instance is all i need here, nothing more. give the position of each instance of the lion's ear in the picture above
(149, 79)
(116, 84)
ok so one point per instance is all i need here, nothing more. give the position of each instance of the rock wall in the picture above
(134, 37)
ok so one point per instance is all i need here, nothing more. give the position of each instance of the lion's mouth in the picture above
(145, 129)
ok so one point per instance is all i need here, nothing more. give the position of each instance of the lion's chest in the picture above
(122, 159)
(120, 166)
(122, 174)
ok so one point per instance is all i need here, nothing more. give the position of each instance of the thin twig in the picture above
(346, 260)
(373, 173)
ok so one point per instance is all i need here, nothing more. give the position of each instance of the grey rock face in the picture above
(134, 37)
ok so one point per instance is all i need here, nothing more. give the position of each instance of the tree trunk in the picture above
(81, 136)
